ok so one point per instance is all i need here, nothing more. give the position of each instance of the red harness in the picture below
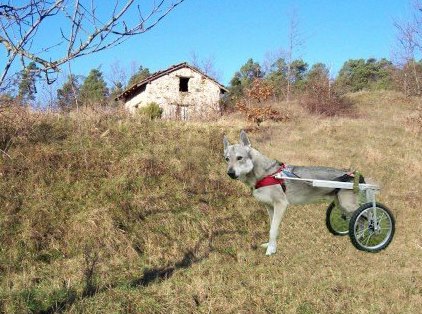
(270, 180)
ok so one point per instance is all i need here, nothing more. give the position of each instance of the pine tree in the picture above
(27, 84)
(277, 77)
(68, 95)
(141, 74)
(244, 77)
(115, 91)
(94, 90)
(360, 74)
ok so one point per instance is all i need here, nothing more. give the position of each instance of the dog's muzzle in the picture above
(232, 174)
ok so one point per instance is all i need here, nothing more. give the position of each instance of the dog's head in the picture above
(238, 157)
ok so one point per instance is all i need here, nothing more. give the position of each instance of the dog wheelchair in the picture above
(370, 227)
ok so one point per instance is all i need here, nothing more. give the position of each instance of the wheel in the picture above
(371, 230)
(337, 223)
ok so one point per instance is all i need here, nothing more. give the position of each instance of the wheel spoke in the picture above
(369, 237)
(382, 218)
(361, 233)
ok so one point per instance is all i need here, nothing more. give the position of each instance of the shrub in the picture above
(152, 111)
(254, 103)
(259, 114)
(320, 99)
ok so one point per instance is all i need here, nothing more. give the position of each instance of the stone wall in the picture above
(201, 99)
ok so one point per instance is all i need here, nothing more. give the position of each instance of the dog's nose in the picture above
(232, 174)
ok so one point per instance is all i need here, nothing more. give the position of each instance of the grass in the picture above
(106, 213)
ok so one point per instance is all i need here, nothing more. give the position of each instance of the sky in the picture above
(230, 32)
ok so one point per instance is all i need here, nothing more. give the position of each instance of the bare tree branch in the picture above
(85, 32)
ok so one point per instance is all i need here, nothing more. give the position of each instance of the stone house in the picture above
(182, 91)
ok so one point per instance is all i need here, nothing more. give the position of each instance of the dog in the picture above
(256, 170)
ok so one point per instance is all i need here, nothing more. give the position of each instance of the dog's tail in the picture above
(351, 177)
(354, 177)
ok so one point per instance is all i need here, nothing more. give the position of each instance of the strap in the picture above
(270, 180)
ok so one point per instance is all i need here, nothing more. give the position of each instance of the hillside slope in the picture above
(105, 213)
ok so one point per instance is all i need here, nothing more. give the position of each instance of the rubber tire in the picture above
(353, 221)
(330, 228)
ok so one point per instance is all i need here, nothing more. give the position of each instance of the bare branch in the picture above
(84, 34)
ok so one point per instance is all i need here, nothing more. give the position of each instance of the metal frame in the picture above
(370, 189)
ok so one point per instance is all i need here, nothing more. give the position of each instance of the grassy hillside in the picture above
(105, 213)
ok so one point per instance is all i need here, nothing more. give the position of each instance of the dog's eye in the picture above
(227, 159)
(239, 157)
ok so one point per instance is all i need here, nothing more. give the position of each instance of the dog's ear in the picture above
(244, 140)
(226, 143)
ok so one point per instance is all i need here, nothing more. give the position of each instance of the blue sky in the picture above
(231, 32)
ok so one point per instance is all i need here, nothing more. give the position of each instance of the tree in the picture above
(277, 76)
(286, 78)
(115, 91)
(318, 77)
(243, 78)
(409, 38)
(27, 84)
(141, 74)
(250, 71)
(94, 89)
(407, 77)
(319, 98)
(68, 95)
(83, 29)
(298, 69)
(359, 74)
(318, 72)
(235, 88)
(295, 41)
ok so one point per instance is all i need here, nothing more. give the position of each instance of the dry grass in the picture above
(103, 213)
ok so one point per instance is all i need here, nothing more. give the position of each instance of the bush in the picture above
(254, 103)
(321, 100)
(152, 111)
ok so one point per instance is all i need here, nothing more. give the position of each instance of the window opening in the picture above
(183, 84)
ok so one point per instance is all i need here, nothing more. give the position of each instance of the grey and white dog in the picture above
(248, 165)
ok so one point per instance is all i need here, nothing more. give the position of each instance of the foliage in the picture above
(27, 83)
(298, 70)
(94, 89)
(259, 90)
(360, 74)
(282, 76)
(320, 98)
(253, 103)
(68, 94)
(318, 72)
(152, 111)
(244, 77)
(140, 75)
(115, 91)
(277, 77)
(259, 114)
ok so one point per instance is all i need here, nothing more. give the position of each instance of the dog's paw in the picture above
(264, 245)
(271, 249)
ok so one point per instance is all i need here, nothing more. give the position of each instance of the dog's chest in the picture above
(265, 195)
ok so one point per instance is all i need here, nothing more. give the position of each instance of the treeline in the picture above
(314, 84)
(76, 91)
(288, 81)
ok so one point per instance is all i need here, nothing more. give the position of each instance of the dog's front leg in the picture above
(270, 210)
(279, 210)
